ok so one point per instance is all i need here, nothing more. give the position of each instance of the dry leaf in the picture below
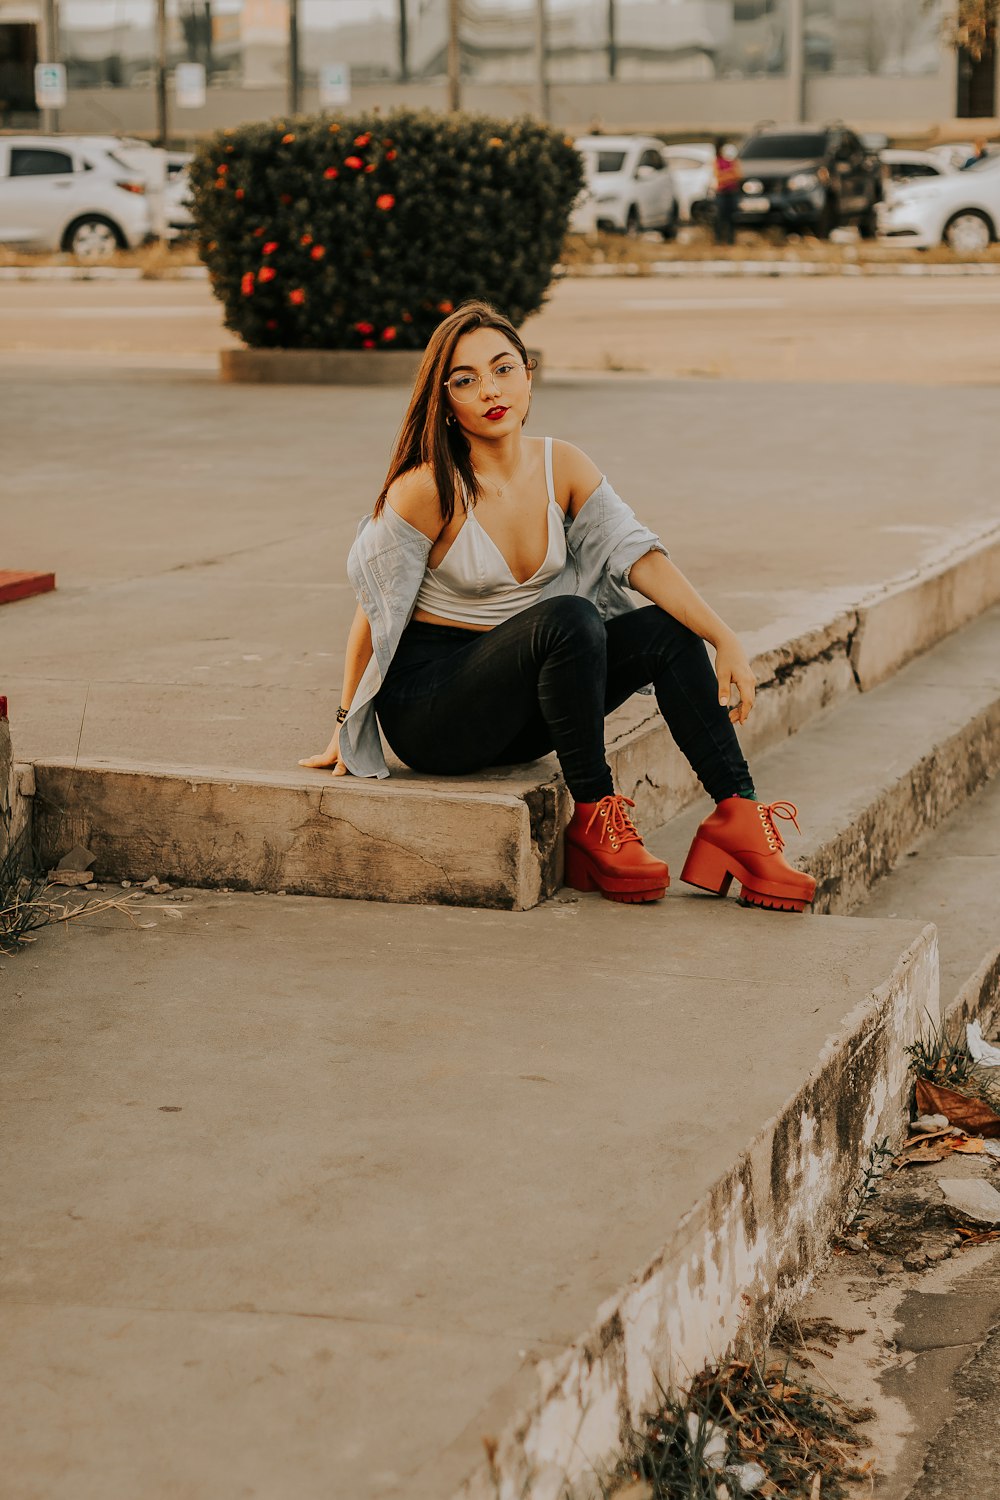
(969, 1145)
(814, 1493)
(924, 1156)
(969, 1114)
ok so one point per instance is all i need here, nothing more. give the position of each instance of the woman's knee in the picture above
(571, 615)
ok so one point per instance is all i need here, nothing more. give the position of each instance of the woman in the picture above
(493, 627)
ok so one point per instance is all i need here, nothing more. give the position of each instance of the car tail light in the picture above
(131, 186)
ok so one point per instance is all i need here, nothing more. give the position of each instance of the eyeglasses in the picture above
(468, 387)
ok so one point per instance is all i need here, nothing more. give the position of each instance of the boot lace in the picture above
(611, 813)
(768, 812)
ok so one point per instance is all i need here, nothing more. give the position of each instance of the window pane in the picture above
(900, 38)
(34, 162)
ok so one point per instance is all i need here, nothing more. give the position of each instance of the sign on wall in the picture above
(50, 85)
(189, 85)
(334, 85)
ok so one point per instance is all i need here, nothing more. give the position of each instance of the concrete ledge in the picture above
(910, 615)
(319, 366)
(736, 1260)
(351, 838)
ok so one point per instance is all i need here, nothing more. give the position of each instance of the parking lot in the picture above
(897, 329)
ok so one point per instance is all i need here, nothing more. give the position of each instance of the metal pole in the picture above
(404, 43)
(796, 61)
(294, 91)
(50, 38)
(541, 69)
(454, 56)
(162, 125)
(612, 39)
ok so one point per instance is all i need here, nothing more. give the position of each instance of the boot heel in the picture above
(578, 874)
(707, 868)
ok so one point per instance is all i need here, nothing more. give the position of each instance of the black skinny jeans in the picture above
(456, 701)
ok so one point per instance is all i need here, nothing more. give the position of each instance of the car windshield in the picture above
(782, 147)
(602, 161)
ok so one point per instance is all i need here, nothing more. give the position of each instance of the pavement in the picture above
(301, 1194)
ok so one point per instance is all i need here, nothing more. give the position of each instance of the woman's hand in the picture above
(732, 667)
(329, 757)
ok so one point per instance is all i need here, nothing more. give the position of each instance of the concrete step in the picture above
(876, 772)
(311, 1188)
(489, 841)
(952, 878)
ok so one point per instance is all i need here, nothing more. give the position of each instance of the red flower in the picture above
(222, 169)
(286, 140)
(306, 239)
(370, 167)
(446, 307)
(368, 344)
(365, 328)
(331, 172)
(266, 273)
(388, 334)
(285, 198)
(407, 317)
(241, 193)
(220, 182)
(317, 252)
(363, 140)
(385, 201)
(271, 324)
(259, 232)
(247, 284)
(297, 296)
(354, 161)
(334, 129)
(270, 247)
(390, 156)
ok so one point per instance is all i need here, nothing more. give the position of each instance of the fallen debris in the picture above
(972, 1198)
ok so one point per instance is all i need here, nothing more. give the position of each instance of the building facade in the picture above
(668, 65)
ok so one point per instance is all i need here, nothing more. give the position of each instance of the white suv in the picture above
(69, 193)
(629, 186)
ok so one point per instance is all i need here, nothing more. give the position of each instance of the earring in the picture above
(449, 420)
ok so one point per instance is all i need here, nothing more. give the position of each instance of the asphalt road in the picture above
(899, 330)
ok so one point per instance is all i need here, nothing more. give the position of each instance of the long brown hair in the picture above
(425, 437)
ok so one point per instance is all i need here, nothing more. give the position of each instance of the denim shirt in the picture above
(386, 566)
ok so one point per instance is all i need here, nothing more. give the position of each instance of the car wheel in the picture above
(828, 219)
(632, 225)
(968, 232)
(669, 230)
(93, 238)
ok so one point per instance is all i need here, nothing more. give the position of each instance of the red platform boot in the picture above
(740, 838)
(604, 852)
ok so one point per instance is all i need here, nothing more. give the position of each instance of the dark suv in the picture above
(810, 179)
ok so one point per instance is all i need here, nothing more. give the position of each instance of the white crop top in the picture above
(473, 584)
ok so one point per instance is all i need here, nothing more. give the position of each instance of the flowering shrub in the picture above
(331, 233)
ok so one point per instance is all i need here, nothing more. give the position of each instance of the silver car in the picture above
(67, 193)
(629, 186)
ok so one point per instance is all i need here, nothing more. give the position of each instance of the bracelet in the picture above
(342, 714)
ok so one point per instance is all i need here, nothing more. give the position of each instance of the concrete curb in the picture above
(750, 1243)
(792, 268)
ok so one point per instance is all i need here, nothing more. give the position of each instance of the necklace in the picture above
(501, 487)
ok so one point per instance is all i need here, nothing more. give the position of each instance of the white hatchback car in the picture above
(68, 193)
(629, 186)
(959, 209)
(692, 166)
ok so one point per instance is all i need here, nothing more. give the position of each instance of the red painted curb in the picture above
(23, 585)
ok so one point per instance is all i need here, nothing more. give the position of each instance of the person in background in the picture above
(978, 152)
(727, 189)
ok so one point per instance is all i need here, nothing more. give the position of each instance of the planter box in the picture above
(326, 366)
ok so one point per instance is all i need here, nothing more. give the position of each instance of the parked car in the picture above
(629, 186)
(67, 193)
(902, 167)
(177, 197)
(959, 209)
(806, 178)
(691, 168)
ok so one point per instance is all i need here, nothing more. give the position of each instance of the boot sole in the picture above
(581, 875)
